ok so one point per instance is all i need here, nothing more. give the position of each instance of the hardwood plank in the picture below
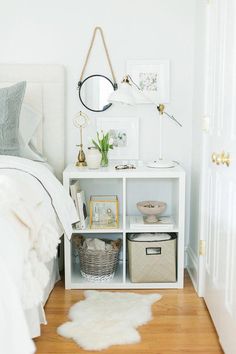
(181, 324)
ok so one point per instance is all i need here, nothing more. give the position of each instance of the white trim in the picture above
(192, 266)
(208, 111)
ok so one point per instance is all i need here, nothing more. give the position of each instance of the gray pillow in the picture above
(10, 106)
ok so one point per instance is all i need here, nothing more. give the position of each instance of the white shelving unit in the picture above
(131, 186)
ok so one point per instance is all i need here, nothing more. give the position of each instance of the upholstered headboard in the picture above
(45, 93)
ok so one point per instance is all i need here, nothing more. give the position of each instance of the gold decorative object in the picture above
(80, 121)
(104, 212)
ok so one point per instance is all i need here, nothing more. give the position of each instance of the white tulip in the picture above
(100, 134)
(111, 141)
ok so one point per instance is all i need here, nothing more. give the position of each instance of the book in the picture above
(83, 215)
(164, 223)
(74, 189)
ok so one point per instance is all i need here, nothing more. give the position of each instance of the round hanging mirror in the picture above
(94, 92)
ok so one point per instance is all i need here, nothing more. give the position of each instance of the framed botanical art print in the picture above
(152, 77)
(125, 134)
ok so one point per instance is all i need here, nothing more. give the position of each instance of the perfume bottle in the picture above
(96, 214)
(110, 216)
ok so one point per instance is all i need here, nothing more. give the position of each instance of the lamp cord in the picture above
(173, 118)
(106, 51)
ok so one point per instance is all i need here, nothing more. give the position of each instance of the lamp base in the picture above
(160, 163)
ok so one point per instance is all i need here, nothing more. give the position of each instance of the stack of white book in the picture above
(163, 223)
(78, 197)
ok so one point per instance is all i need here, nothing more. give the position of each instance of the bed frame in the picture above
(45, 93)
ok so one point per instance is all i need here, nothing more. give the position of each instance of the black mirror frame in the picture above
(80, 84)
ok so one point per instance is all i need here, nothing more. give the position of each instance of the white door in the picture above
(220, 179)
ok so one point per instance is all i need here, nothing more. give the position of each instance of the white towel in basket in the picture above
(96, 244)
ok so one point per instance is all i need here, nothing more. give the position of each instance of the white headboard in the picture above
(45, 92)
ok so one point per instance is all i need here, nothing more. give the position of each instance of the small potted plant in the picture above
(104, 143)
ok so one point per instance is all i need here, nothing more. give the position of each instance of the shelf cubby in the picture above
(130, 186)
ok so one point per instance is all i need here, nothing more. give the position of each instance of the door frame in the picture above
(204, 161)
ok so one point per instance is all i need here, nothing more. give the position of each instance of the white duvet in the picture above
(34, 212)
(14, 332)
(32, 200)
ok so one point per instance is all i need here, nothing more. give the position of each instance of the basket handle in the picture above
(153, 251)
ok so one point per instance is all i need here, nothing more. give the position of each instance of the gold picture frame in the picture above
(104, 212)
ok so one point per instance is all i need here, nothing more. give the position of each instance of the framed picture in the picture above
(153, 78)
(125, 133)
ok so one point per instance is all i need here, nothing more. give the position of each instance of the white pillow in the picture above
(29, 122)
(28, 125)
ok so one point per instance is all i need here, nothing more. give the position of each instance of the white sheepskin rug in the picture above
(107, 318)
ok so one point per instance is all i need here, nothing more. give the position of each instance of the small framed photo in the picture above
(104, 212)
(125, 134)
(153, 78)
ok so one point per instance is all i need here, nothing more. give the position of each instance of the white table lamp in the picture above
(126, 94)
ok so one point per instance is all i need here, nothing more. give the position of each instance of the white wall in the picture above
(59, 31)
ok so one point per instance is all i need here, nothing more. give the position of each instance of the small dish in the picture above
(150, 209)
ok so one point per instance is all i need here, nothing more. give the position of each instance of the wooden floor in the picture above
(181, 324)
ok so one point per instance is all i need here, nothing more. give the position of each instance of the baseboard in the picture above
(192, 266)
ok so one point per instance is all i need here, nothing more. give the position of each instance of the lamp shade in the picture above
(123, 94)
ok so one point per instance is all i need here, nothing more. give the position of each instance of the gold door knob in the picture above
(216, 158)
(225, 158)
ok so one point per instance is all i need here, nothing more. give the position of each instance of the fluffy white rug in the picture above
(107, 318)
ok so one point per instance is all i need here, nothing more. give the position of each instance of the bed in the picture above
(35, 210)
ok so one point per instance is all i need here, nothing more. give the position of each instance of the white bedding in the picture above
(14, 331)
(62, 204)
(32, 201)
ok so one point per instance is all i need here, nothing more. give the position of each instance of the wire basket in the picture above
(98, 266)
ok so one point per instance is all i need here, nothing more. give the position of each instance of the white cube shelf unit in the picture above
(130, 186)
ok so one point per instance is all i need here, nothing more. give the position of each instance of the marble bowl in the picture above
(150, 209)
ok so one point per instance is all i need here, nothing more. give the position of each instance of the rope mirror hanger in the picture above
(95, 90)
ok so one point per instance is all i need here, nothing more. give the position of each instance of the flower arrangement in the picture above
(104, 143)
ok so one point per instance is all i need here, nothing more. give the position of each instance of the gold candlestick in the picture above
(81, 120)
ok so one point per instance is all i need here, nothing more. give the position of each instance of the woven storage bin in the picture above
(98, 265)
(152, 261)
